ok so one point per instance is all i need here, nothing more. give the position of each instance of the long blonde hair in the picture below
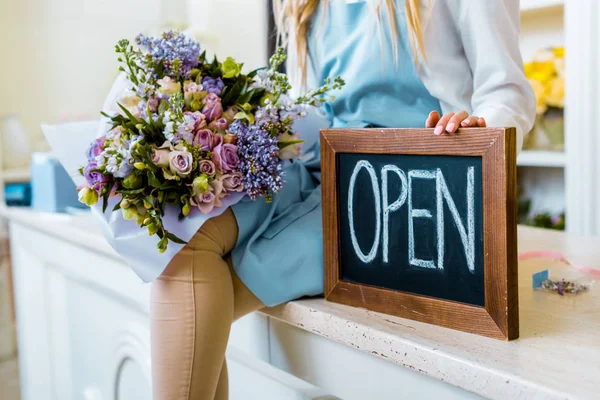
(293, 19)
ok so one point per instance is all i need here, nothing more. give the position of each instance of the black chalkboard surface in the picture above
(413, 223)
(422, 226)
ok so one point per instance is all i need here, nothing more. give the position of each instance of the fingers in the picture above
(450, 122)
(432, 119)
(442, 123)
(455, 121)
(469, 122)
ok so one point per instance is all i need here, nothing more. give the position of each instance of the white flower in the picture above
(168, 86)
(130, 100)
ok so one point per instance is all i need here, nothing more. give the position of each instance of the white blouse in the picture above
(473, 61)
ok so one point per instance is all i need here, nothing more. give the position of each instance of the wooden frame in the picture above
(500, 316)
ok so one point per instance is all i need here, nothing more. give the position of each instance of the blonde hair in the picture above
(293, 19)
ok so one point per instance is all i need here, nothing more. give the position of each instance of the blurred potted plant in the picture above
(546, 75)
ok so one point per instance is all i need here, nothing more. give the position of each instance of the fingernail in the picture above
(465, 122)
(450, 127)
(438, 130)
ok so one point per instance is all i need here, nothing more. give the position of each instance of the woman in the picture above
(406, 64)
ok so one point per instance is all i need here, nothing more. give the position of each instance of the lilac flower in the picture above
(261, 170)
(96, 180)
(119, 164)
(172, 46)
(214, 86)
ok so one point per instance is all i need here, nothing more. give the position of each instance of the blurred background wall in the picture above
(58, 55)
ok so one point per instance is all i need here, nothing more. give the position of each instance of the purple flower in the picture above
(207, 167)
(173, 45)
(225, 156)
(96, 148)
(213, 109)
(181, 162)
(259, 165)
(95, 179)
(212, 85)
(204, 138)
(232, 182)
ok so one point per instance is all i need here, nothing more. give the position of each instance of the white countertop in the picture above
(556, 357)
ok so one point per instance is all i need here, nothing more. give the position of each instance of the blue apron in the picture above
(279, 253)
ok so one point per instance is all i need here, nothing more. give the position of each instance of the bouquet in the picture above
(190, 133)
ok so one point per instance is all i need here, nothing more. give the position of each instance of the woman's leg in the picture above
(245, 302)
(192, 312)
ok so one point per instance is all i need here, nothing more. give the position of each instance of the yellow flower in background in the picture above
(546, 76)
(541, 71)
(555, 93)
(559, 52)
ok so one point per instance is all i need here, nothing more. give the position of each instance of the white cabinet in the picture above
(83, 333)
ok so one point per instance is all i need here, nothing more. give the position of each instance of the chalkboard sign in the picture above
(423, 226)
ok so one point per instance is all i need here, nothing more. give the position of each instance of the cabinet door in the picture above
(83, 324)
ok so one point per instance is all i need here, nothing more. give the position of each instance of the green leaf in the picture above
(258, 94)
(244, 115)
(129, 115)
(131, 192)
(118, 206)
(247, 97)
(153, 181)
(105, 201)
(175, 239)
(283, 145)
(232, 95)
(163, 106)
(253, 73)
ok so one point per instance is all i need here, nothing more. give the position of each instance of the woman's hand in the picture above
(450, 122)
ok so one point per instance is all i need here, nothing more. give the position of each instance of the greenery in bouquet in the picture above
(190, 132)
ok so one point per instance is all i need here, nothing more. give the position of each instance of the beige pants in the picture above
(194, 303)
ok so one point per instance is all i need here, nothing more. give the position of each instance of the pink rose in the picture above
(225, 156)
(181, 162)
(160, 157)
(207, 201)
(217, 139)
(207, 167)
(196, 118)
(213, 109)
(232, 182)
(204, 138)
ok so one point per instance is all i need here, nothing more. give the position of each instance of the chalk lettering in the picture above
(368, 258)
(390, 208)
(417, 213)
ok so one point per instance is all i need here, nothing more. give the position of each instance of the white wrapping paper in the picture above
(69, 143)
